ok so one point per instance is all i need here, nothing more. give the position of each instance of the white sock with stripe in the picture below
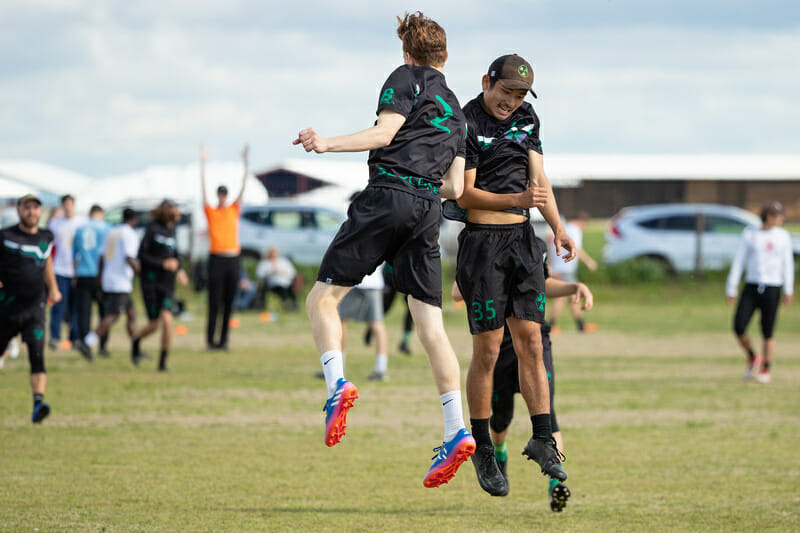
(333, 368)
(453, 414)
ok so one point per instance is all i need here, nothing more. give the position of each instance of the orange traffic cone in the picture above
(181, 329)
(64, 345)
(234, 323)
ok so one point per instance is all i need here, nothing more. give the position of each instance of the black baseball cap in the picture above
(222, 189)
(513, 72)
(28, 198)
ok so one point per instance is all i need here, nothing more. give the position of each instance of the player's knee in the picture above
(499, 421)
(738, 328)
(37, 362)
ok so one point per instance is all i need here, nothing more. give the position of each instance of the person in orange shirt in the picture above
(223, 261)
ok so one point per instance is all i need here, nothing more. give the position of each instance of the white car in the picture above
(301, 232)
(667, 233)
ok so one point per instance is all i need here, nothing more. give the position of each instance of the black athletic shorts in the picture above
(762, 297)
(500, 273)
(506, 381)
(29, 321)
(386, 224)
(156, 297)
(115, 303)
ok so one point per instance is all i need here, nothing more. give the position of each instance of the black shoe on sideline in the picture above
(545, 452)
(84, 350)
(489, 476)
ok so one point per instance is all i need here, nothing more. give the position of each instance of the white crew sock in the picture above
(381, 363)
(91, 339)
(453, 415)
(333, 368)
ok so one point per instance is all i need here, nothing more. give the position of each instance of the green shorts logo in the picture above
(540, 300)
(38, 334)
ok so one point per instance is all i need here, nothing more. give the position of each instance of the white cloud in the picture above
(110, 87)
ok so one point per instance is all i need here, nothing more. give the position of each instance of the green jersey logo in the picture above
(388, 96)
(448, 113)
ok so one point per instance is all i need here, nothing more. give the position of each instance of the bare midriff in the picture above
(483, 216)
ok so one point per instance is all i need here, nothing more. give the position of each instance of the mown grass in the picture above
(661, 433)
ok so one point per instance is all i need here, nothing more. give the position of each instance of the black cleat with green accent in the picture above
(545, 452)
(559, 494)
(489, 476)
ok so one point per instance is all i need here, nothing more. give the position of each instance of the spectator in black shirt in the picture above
(158, 257)
(416, 154)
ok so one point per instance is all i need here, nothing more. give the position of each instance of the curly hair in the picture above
(423, 39)
(164, 213)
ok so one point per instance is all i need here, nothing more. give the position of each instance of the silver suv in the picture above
(667, 233)
(301, 232)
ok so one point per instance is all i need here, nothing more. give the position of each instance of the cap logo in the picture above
(523, 71)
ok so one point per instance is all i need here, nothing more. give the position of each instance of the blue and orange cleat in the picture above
(448, 458)
(336, 411)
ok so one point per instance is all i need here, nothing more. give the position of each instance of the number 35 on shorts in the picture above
(483, 310)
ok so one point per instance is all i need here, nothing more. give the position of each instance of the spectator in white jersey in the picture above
(63, 228)
(365, 304)
(568, 273)
(765, 255)
(117, 268)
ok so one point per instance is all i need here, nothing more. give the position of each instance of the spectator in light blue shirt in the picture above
(86, 252)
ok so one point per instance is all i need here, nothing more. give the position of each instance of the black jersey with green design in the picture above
(23, 257)
(498, 149)
(158, 244)
(432, 136)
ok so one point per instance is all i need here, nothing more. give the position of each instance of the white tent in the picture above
(47, 181)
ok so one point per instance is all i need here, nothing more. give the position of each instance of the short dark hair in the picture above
(67, 197)
(771, 209)
(129, 214)
(95, 209)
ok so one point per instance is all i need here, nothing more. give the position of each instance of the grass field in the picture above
(661, 433)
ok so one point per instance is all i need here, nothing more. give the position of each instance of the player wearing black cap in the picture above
(160, 267)
(499, 270)
(416, 150)
(26, 269)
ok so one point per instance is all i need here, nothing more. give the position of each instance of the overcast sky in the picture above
(105, 87)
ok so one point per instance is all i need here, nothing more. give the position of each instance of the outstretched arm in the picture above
(538, 178)
(246, 161)
(379, 135)
(203, 157)
(555, 288)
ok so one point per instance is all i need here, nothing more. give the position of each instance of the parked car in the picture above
(301, 232)
(667, 233)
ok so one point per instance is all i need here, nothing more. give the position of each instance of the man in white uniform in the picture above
(364, 303)
(118, 266)
(765, 254)
(568, 273)
(63, 228)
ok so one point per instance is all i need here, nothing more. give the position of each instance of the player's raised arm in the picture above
(246, 162)
(203, 157)
(377, 136)
(549, 211)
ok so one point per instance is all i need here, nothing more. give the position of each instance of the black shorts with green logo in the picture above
(389, 224)
(500, 273)
(28, 320)
(157, 296)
